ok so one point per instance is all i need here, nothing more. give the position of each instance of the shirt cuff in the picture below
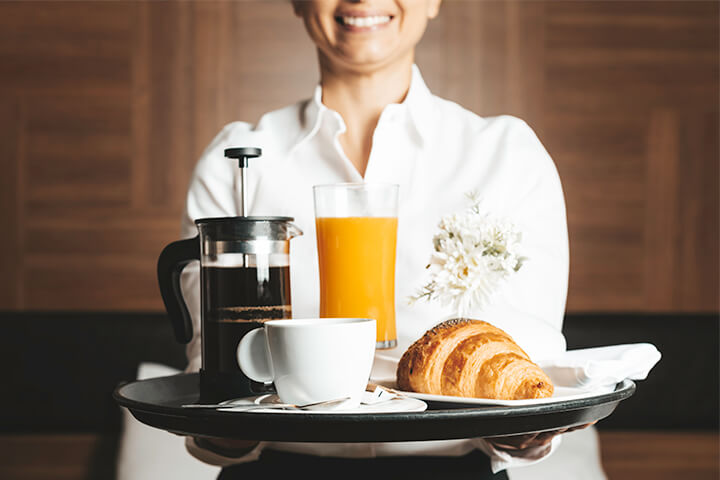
(217, 458)
(503, 459)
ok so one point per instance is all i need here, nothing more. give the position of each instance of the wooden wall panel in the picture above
(106, 107)
(660, 455)
(75, 152)
(640, 66)
(11, 126)
(170, 114)
(56, 457)
(601, 164)
(696, 237)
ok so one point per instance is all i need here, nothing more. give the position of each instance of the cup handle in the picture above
(253, 356)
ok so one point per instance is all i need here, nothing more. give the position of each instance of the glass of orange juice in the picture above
(356, 237)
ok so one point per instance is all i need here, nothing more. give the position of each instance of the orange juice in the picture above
(357, 270)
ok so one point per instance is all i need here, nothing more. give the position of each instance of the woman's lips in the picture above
(361, 23)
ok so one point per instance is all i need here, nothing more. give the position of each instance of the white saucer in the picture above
(397, 404)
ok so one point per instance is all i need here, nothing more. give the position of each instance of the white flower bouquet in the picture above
(475, 253)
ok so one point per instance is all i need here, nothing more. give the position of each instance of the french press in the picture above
(244, 281)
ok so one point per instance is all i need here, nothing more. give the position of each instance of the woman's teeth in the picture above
(365, 21)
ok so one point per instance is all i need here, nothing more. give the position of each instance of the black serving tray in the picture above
(157, 402)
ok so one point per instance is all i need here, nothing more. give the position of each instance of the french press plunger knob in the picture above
(243, 154)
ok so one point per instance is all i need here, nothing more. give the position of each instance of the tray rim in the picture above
(431, 424)
(623, 390)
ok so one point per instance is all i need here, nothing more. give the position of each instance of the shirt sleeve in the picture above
(221, 460)
(531, 305)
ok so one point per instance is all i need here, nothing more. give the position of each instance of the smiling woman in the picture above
(365, 51)
(365, 36)
(373, 119)
(97, 157)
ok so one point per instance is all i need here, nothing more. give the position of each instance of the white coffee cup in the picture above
(311, 360)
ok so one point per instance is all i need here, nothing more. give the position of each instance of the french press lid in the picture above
(247, 235)
(243, 228)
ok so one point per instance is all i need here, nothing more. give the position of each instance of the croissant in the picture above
(471, 358)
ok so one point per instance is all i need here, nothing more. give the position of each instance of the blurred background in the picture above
(106, 106)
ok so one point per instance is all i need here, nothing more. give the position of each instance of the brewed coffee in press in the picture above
(245, 281)
(237, 300)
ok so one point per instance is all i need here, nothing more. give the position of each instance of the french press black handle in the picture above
(173, 259)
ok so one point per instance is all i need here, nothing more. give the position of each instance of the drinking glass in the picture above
(356, 238)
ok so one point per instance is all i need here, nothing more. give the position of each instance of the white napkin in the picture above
(589, 368)
(384, 369)
(378, 395)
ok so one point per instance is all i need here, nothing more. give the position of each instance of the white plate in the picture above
(560, 394)
(397, 404)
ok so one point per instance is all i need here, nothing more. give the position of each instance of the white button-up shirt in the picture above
(437, 152)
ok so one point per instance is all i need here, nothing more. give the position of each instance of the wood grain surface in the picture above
(625, 456)
(106, 106)
(660, 455)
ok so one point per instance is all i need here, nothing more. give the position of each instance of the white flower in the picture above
(475, 253)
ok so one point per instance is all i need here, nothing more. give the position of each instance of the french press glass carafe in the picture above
(244, 281)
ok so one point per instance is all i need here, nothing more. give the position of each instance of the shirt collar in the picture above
(418, 103)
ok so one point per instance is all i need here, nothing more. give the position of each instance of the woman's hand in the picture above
(514, 443)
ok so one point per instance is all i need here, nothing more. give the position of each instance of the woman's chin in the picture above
(369, 60)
